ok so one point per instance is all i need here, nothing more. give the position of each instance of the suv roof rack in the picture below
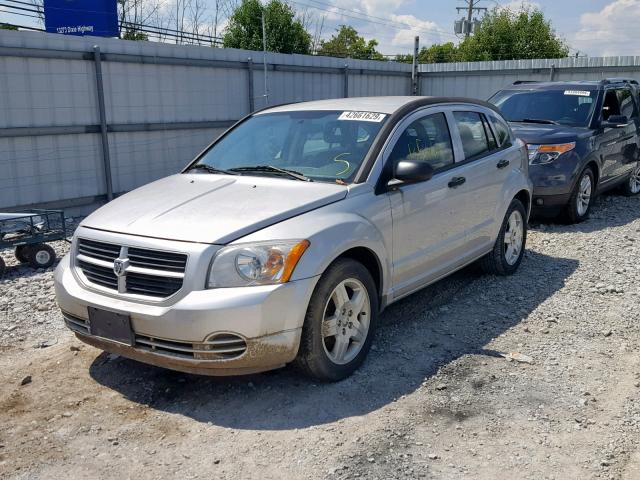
(520, 82)
(608, 81)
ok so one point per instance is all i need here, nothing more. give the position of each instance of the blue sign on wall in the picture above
(82, 17)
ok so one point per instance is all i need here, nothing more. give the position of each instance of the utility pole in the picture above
(264, 60)
(470, 9)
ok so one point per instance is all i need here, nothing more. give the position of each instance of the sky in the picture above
(591, 27)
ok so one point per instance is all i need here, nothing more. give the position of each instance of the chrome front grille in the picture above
(131, 270)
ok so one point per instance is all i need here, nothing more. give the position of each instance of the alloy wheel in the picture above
(584, 195)
(345, 321)
(513, 237)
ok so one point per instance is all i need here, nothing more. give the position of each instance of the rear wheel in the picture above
(23, 253)
(42, 256)
(581, 199)
(507, 253)
(632, 186)
(340, 322)
(3, 267)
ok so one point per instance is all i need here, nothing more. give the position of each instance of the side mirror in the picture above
(411, 171)
(615, 121)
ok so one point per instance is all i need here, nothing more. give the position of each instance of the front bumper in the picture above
(267, 320)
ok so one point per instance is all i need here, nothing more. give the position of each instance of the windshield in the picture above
(326, 146)
(565, 107)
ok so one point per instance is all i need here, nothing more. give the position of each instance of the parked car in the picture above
(583, 138)
(285, 238)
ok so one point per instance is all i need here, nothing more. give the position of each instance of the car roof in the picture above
(389, 105)
(570, 84)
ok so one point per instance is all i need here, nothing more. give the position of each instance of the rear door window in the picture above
(473, 135)
(502, 131)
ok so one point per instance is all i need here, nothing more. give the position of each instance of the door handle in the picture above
(503, 163)
(456, 182)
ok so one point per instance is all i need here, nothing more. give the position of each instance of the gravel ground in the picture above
(536, 376)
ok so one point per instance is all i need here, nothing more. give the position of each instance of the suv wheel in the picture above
(581, 198)
(632, 186)
(340, 322)
(507, 253)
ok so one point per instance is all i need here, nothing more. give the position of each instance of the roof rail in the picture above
(520, 82)
(607, 81)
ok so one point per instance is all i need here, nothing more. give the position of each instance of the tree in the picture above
(437, 53)
(347, 43)
(505, 34)
(6, 26)
(284, 32)
(130, 34)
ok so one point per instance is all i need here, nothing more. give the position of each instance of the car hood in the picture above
(534, 133)
(209, 208)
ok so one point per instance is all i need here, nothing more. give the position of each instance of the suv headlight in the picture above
(542, 154)
(250, 264)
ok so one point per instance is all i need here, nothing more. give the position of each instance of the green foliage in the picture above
(285, 33)
(503, 34)
(347, 43)
(508, 35)
(438, 53)
(134, 35)
(4, 26)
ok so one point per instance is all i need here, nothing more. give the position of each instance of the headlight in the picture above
(542, 154)
(255, 263)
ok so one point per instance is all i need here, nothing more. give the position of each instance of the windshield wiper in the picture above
(271, 168)
(536, 120)
(209, 169)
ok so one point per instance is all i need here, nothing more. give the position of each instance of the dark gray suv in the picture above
(582, 137)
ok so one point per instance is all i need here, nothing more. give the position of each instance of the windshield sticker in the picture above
(579, 93)
(363, 116)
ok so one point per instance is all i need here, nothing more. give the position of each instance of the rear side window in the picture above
(502, 131)
(472, 134)
(426, 140)
(627, 105)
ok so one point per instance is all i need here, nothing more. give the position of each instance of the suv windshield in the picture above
(325, 146)
(566, 107)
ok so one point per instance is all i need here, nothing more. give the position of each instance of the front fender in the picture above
(331, 232)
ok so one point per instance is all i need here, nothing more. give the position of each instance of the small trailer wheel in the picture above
(3, 267)
(23, 253)
(42, 256)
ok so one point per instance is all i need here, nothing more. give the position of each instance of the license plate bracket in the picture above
(111, 326)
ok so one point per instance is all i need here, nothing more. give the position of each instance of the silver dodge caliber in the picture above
(284, 240)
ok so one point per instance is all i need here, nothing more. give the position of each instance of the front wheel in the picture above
(581, 199)
(507, 253)
(632, 186)
(340, 322)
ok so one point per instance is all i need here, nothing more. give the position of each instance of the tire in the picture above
(3, 267)
(42, 256)
(507, 253)
(23, 253)
(632, 186)
(579, 206)
(328, 356)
